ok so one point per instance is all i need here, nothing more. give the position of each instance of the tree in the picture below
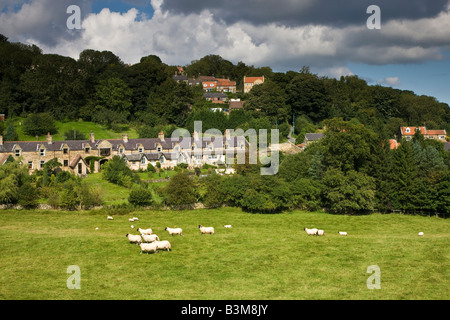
(27, 196)
(140, 196)
(74, 134)
(214, 196)
(11, 134)
(117, 171)
(180, 191)
(38, 124)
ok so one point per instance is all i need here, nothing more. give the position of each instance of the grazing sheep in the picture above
(135, 219)
(132, 227)
(110, 218)
(311, 232)
(173, 231)
(227, 226)
(162, 245)
(420, 234)
(144, 231)
(150, 237)
(320, 232)
(342, 233)
(148, 247)
(204, 230)
(134, 238)
(131, 220)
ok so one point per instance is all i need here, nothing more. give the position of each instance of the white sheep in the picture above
(311, 232)
(149, 247)
(227, 226)
(131, 220)
(110, 218)
(173, 231)
(134, 238)
(420, 234)
(320, 232)
(135, 219)
(342, 233)
(162, 245)
(150, 237)
(144, 231)
(204, 230)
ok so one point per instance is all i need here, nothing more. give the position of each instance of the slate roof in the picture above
(314, 136)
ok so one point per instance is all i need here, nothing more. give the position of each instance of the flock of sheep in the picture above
(150, 242)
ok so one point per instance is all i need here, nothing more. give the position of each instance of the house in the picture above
(312, 137)
(225, 85)
(215, 97)
(236, 104)
(180, 78)
(194, 82)
(249, 82)
(209, 86)
(138, 153)
(407, 133)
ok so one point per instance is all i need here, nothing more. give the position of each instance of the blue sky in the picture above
(411, 51)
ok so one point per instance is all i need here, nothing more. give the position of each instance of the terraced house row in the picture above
(75, 155)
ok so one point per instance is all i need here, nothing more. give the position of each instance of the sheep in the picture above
(420, 234)
(148, 247)
(150, 237)
(131, 220)
(204, 230)
(227, 226)
(144, 231)
(342, 233)
(135, 219)
(320, 232)
(311, 231)
(134, 238)
(173, 231)
(110, 218)
(162, 245)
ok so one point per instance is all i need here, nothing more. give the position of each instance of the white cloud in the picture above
(179, 38)
(390, 81)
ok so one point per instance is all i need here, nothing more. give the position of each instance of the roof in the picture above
(75, 161)
(236, 104)
(393, 144)
(206, 78)
(225, 82)
(214, 95)
(412, 130)
(253, 79)
(3, 159)
(436, 132)
(179, 78)
(314, 136)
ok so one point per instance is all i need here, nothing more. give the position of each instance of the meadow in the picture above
(261, 257)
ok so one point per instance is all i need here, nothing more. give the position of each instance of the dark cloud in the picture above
(303, 12)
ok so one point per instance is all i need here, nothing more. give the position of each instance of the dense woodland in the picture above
(351, 170)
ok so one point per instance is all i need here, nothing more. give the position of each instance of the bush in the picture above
(140, 197)
(180, 191)
(116, 171)
(28, 197)
(89, 197)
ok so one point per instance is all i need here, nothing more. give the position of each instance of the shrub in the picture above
(28, 197)
(180, 191)
(140, 197)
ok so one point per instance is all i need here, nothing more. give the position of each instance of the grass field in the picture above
(261, 257)
(100, 132)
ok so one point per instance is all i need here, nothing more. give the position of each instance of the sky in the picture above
(410, 50)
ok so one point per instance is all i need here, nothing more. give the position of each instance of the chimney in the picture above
(92, 137)
(49, 138)
(161, 135)
(125, 138)
(1, 140)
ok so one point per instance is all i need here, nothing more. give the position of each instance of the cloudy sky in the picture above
(411, 51)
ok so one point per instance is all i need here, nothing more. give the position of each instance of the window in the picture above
(65, 150)
(442, 137)
(42, 152)
(86, 150)
(30, 164)
(121, 150)
(17, 153)
(159, 149)
(42, 164)
(66, 163)
(407, 130)
(141, 150)
(143, 160)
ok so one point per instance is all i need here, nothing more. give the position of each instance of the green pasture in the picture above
(260, 257)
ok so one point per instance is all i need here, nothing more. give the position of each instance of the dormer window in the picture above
(17, 153)
(159, 149)
(65, 150)
(87, 150)
(120, 150)
(42, 152)
(407, 130)
(140, 149)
